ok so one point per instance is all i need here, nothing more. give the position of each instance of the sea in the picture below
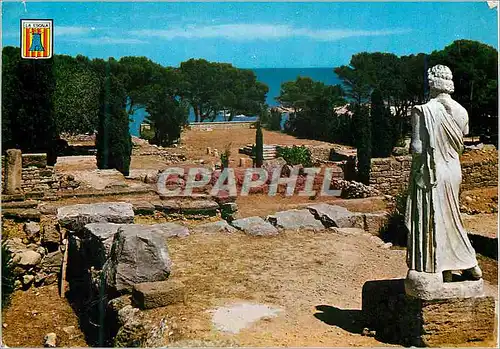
(272, 77)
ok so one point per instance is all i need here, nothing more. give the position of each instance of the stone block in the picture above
(203, 207)
(149, 295)
(37, 160)
(75, 217)
(35, 195)
(137, 255)
(337, 216)
(13, 172)
(295, 220)
(51, 236)
(375, 221)
(143, 207)
(13, 197)
(255, 226)
(214, 228)
(52, 262)
(399, 318)
(246, 162)
(30, 214)
(169, 206)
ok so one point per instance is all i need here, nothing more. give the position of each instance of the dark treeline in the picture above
(43, 99)
(392, 85)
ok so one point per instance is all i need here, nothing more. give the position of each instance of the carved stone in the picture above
(13, 171)
(438, 241)
(429, 286)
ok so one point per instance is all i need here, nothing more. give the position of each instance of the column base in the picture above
(400, 318)
(429, 286)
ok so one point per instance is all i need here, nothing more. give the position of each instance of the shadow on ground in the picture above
(348, 319)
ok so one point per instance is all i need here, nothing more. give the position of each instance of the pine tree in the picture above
(381, 126)
(113, 141)
(362, 126)
(259, 146)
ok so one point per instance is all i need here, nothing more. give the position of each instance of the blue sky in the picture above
(254, 35)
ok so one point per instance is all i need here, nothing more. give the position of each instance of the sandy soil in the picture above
(316, 278)
(195, 142)
(482, 224)
(34, 313)
(482, 200)
(263, 205)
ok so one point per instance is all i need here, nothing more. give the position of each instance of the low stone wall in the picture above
(390, 175)
(480, 174)
(220, 125)
(320, 152)
(36, 179)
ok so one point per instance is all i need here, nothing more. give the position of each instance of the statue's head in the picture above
(440, 80)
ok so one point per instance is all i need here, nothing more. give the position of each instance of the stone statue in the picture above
(437, 242)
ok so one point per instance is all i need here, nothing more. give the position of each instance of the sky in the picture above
(254, 35)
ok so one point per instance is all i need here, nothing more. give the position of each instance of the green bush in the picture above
(7, 276)
(147, 134)
(224, 157)
(395, 230)
(275, 120)
(295, 155)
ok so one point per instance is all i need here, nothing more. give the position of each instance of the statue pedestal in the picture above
(429, 286)
(404, 319)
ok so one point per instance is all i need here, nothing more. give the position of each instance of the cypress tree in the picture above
(27, 107)
(113, 141)
(259, 146)
(381, 126)
(361, 120)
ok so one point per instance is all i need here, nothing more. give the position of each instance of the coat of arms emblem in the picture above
(37, 38)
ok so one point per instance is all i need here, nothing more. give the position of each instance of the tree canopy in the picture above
(210, 87)
(402, 80)
(475, 75)
(27, 105)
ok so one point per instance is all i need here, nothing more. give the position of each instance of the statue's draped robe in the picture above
(437, 240)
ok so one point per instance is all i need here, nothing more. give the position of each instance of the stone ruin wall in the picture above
(38, 180)
(220, 125)
(390, 175)
(480, 174)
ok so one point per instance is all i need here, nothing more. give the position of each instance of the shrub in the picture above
(275, 120)
(295, 155)
(7, 276)
(395, 229)
(147, 134)
(224, 157)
